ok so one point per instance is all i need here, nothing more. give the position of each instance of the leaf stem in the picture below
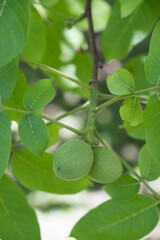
(147, 90)
(122, 97)
(82, 107)
(15, 144)
(62, 125)
(47, 118)
(109, 102)
(74, 21)
(151, 189)
(106, 96)
(55, 71)
(15, 110)
(127, 166)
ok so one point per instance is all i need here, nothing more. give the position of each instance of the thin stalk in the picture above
(14, 110)
(94, 78)
(123, 97)
(47, 118)
(70, 19)
(105, 96)
(151, 89)
(62, 125)
(139, 92)
(110, 102)
(151, 189)
(57, 72)
(83, 107)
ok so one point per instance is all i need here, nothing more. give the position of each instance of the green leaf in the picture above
(136, 132)
(33, 133)
(37, 173)
(127, 7)
(136, 67)
(126, 187)
(152, 61)
(39, 95)
(17, 217)
(102, 9)
(53, 51)
(154, 171)
(149, 168)
(14, 18)
(82, 60)
(8, 77)
(118, 219)
(16, 99)
(121, 35)
(36, 41)
(131, 111)
(151, 118)
(53, 130)
(121, 82)
(5, 141)
(144, 161)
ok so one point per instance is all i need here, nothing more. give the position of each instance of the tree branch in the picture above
(90, 127)
(95, 57)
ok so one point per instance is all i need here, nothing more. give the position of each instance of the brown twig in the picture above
(74, 21)
(95, 57)
(90, 127)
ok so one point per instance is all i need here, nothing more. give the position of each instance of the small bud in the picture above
(100, 65)
(93, 81)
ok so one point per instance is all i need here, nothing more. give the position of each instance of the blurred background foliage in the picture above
(50, 42)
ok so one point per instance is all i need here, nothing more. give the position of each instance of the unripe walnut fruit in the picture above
(73, 160)
(106, 166)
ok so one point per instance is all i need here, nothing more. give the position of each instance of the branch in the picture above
(95, 57)
(82, 107)
(90, 127)
(74, 21)
(61, 124)
(122, 97)
(57, 72)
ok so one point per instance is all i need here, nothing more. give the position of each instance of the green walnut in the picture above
(106, 166)
(73, 160)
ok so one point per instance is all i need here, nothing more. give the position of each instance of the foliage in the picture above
(36, 51)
